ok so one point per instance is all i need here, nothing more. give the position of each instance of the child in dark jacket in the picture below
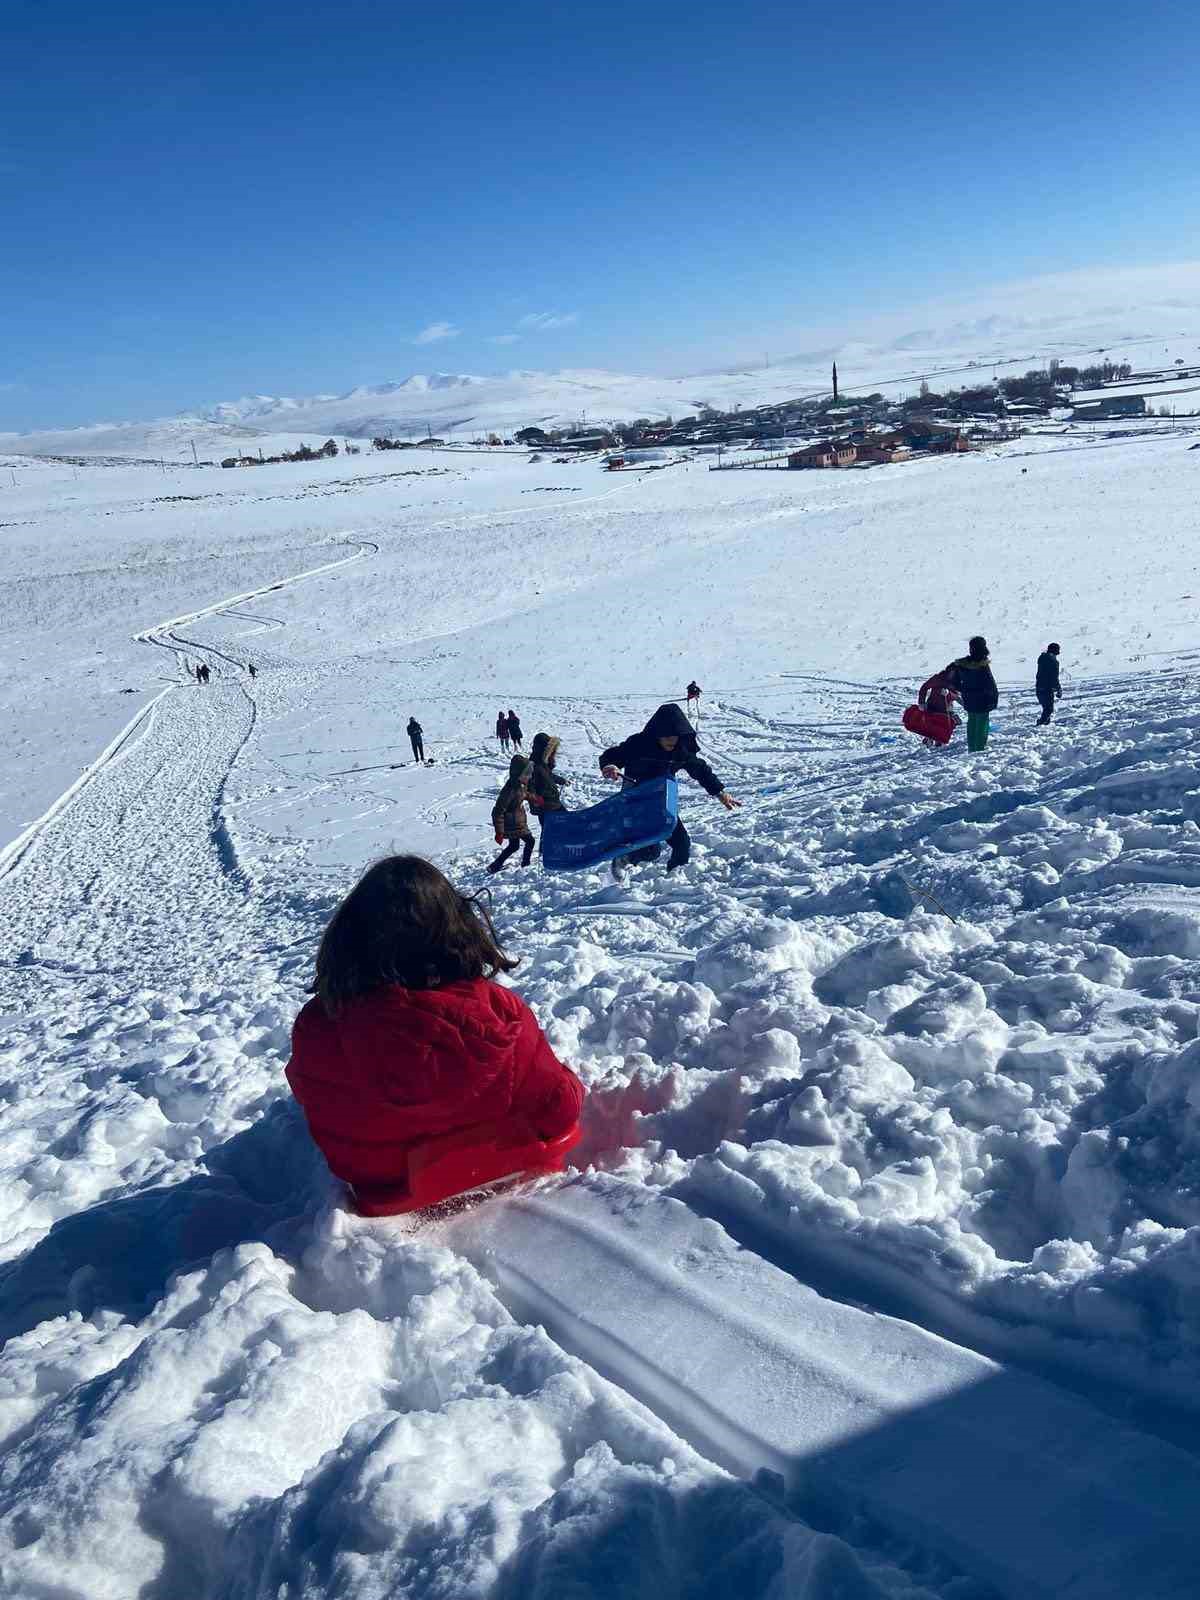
(1047, 685)
(666, 745)
(545, 783)
(408, 1037)
(974, 681)
(509, 816)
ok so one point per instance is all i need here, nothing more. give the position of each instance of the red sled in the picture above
(935, 725)
(473, 1159)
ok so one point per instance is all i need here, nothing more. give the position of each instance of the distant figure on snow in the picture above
(416, 739)
(545, 784)
(509, 816)
(1049, 689)
(514, 729)
(693, 701)
(666, 744)
(250, 669)
(408, 1036)
(202, 673)
(975, 684)
(502, 732)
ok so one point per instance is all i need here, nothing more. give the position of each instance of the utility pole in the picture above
(835, 389)
(195, 458)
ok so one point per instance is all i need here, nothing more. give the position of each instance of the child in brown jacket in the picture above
(510, 817)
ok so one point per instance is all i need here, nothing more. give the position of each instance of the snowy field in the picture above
(880, 1272)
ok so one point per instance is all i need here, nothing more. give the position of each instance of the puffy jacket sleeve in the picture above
(992, 691)
(615, 756)
(548, 1093)
(696, 767)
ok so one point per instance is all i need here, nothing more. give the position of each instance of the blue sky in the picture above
(201, 202)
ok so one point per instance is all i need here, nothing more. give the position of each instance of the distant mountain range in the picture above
(459, 406)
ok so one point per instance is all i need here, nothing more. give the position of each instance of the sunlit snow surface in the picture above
(979, 1113)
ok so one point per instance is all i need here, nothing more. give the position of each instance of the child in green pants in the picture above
(980, 697)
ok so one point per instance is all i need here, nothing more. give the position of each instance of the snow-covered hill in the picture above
(878, 1274)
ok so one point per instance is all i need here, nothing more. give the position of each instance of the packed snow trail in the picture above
(850, 1412)
(141, 859)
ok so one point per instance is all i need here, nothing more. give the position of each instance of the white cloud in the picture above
(504, 338)
(435, 332)
(546, 321)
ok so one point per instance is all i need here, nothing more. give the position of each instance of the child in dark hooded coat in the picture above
(977, 687)
(666, 745)
(509, 816)
(545, 781)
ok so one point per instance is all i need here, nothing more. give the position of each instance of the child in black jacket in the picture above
(665, 746)
(974, 681)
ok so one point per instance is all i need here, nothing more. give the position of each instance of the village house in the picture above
(863, 448)
(825, 453)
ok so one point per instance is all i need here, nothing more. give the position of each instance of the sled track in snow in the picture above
(840, 1412)
(17, 851)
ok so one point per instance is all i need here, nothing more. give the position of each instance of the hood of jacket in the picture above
(973, 661)
(543, 749)
(518, 768)
(670, 721)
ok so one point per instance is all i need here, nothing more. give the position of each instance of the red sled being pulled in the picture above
(935, 725)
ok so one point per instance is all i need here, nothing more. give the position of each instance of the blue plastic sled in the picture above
(575, 840)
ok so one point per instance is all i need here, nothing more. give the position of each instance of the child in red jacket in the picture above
(408, 1036)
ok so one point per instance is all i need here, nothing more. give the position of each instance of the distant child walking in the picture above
(502, 732)
(514, 729)
(510, 818)
(416, 738)
(408, 1037)
(1047, 685)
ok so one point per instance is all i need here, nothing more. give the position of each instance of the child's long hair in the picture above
(404, 922)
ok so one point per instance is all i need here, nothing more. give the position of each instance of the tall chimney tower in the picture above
(835, 393)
